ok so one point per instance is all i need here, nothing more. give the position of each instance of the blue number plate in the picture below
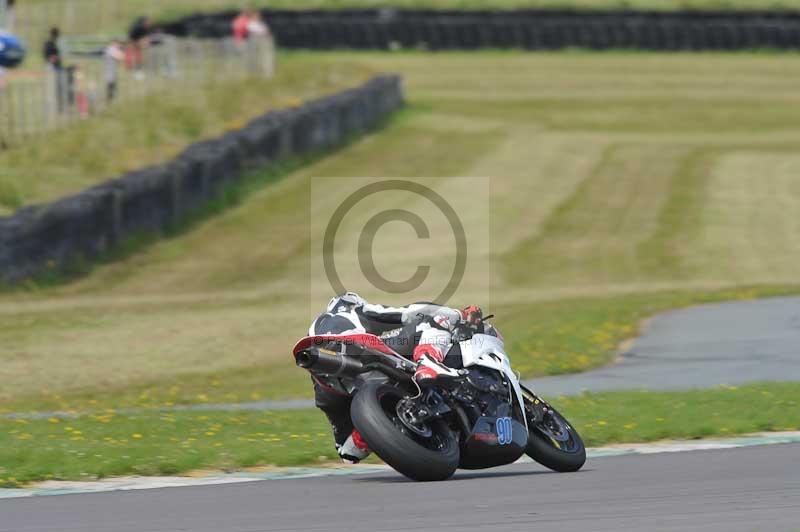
(505, 431)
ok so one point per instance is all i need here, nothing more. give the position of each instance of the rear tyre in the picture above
(552, 440)
(419, 457)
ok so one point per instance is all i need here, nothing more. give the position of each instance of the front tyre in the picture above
(428, 453)
(552, 440)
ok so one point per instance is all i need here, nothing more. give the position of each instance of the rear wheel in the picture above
(552, 440)
(424, 451)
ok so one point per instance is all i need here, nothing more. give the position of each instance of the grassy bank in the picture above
(153, 443)
(156, 128)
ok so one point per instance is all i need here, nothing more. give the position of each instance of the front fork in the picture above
(535, 407)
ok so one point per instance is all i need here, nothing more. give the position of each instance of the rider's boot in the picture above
(430, 364)
(354, 449)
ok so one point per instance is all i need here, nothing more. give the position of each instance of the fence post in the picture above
(260, 53)
(5, 132)
(4, 15)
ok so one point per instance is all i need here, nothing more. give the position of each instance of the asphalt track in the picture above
(700, 347)
(747, 489)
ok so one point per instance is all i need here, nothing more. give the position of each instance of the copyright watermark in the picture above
(397, 241)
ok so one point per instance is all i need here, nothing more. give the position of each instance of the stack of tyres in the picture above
(400, 33)
(301, 131)
(9, 261)
(40, 238)
(55, 234)
(261, 141)
(147, 200)
(530, 29)
(193, 189)
(432, 35)
(23, 246)
(354, 114)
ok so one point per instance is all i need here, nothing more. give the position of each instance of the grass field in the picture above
(153, 443)
(620, 185)
(548, 338)
(611, 175)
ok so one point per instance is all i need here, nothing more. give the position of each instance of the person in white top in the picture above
(255, 25)
(112, 55)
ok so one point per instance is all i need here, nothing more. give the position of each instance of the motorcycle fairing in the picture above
(489, 352)
(483, 447)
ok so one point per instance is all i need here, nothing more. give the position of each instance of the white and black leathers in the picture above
(401, 328)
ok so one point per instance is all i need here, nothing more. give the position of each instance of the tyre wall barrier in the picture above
(525, 29)
(53, 236)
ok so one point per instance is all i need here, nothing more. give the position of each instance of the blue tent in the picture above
(12, 51)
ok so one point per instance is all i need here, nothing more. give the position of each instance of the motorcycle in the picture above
(482, 418)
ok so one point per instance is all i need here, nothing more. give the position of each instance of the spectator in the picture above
(139, 37)
(52, 56)
(241, 28)
(52, 51)
(162, 53)
(256, 27)
(112, 55)
(82, 90)
(2, 104)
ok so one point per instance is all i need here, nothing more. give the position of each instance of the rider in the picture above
(421, 331)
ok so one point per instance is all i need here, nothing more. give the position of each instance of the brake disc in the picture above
(406, 416)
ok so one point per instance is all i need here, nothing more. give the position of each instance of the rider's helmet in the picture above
(473, 315)
(345, 302)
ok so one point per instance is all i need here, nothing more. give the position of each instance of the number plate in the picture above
(505, 430)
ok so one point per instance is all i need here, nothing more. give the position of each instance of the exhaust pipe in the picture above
(339, 366)
(327, 364)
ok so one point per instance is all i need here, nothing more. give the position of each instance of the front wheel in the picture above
(552, 440)
(420, 452)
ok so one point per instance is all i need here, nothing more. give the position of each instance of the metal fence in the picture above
(39, 100)
(32, 19)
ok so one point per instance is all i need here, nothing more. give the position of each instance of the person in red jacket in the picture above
(240, 28)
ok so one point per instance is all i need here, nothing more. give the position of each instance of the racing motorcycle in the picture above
(482, 418)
